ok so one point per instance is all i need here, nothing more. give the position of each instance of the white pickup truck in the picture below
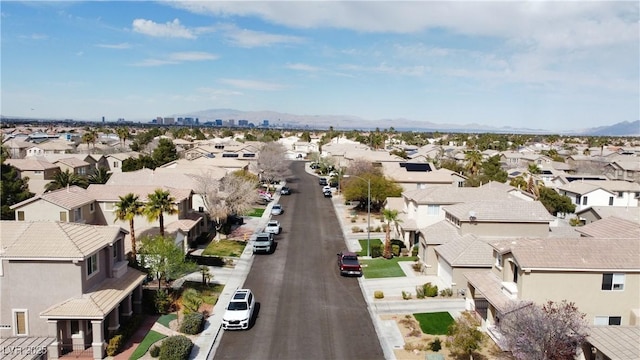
(273, 227)
(264, 243)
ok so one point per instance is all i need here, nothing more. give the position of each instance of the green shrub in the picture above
(175, 348)
(414, 251)
(446, 292)
(154, 351)
(192, 323)
(420, 292)
(406, 295)
(395, 249)
(162, 301)
(376, 250)
(377, 229)
(435, 345)
(430, 290)
(115, 344)
(378, 294)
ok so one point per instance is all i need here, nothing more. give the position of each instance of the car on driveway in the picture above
(327, 193)
(277, 209)
(285, 190)
(273, 227)
(239, 312)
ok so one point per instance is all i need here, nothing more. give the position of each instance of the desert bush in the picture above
(377, 229)
(356, 229)
(114, 346)
(435, 345)
(154, 351)
(162, 301)
(414, 251)
(417, 266)
(446, 292)
(420, 292)
(192, 323)
(406, 295)
(430, 290)
(395, 249)
(376, 250)
(353, 219)
(378, 294)
(416, 332)
(176, 347)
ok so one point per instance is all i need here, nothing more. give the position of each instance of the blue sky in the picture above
(549, 65)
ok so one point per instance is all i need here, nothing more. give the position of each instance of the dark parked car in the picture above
(323, 181)
(235, 220)
(315, 165)
(285, 191)
(327, 193)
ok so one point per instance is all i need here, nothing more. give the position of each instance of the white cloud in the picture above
(384, 68)
(120, 46)
(303, 67)
(155, 62)
(192, 56)
(253, 84)
(249, 38)
(35, 36)
(171, 29)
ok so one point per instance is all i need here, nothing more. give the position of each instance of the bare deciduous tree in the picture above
(233, 194)
(271, 164)
(553, 331)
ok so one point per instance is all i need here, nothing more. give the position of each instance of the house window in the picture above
(92, 264)
(498, 260)
(75, 327)
(607, 320)
(433, 210)
(20, 324)
(620, 194)
(584, 200)
(20, 215)
(77, 214)
(612, 281)
(115, 164)
(38, 172)
(92, 207)
(578, 199)
(63, 216)
(610, 200)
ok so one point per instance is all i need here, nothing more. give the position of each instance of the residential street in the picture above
(307, 310)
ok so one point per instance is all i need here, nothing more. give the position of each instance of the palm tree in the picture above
(64, 179)
(474, 161)
(533, 168)
(391, 218)
(123, 134)
(90, 137)
(127, 209)
(101, 176)
(158, 203)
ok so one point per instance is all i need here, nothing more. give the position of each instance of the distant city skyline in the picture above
(546, 65)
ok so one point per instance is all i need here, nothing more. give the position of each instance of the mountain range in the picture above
(348, 122)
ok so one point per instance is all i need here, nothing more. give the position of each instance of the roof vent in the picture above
(472, 215)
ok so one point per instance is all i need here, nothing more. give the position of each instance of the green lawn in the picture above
(434, 323)
(166, 319)
(209, 293)
(230, 248)
(257, 212)
(152, 337)
(383, 268)
(363, 245)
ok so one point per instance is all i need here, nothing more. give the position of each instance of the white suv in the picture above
(239, 311)
(273, 227)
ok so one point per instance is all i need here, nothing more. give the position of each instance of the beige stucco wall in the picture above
(36, 286)
(41, 210)
(583, 288)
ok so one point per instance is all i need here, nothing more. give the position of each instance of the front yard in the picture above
(225, 248)
(383, 268)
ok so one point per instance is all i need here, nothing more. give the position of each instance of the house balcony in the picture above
(119, 269)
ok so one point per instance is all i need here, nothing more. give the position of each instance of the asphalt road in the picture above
(306, 309)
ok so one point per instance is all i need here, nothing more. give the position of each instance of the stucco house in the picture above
(414, 175)
(90, 289)
(72, 204)
(39, 172)
(600, 275)
(628, 170)
(595, 213)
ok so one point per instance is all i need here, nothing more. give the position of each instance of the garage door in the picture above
(445, 272)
